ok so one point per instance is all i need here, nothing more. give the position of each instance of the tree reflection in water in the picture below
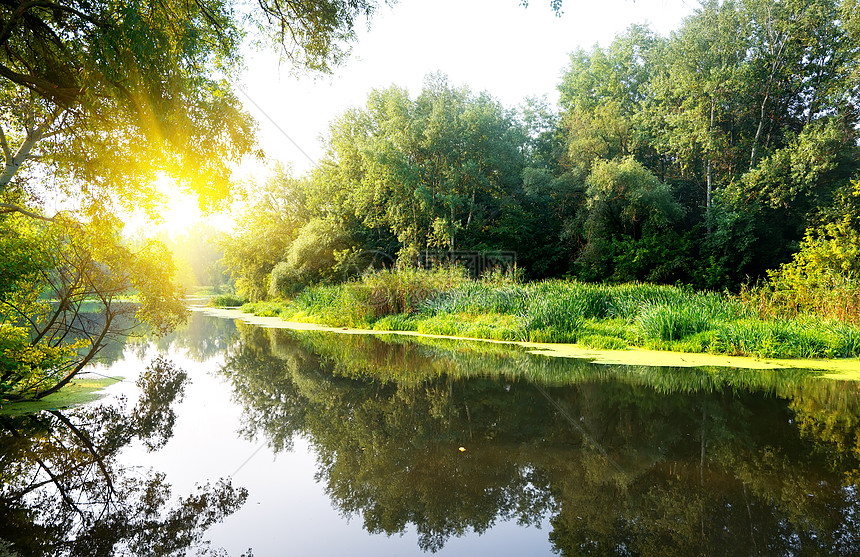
(620, 460)
(64, 493)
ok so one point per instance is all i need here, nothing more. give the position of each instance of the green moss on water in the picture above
(80, 391)
(842, 368)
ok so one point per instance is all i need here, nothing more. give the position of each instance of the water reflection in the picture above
(451, 438)
(446, 439)
(63, 490)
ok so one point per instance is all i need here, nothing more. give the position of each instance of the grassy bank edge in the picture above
(843, 369)
(84, 389)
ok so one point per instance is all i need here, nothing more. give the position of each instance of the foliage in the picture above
(315, 252)
(100, 100)
(272, 221)
(823, 277)
(701, 158)
(432, 170)
(659, 322)
(599, 316)
(627, 214)
(59, 318)
(227, 300)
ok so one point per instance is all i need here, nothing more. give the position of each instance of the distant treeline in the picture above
(708, 157)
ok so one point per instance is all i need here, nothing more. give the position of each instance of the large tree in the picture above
(99, 98)
(439, 172)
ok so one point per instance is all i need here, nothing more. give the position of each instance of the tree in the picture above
(625, 203)
(700, 95)
(101, 98)
(57, 316)
(747, 112)
(437, 172)
(275, 214)
(602, 95)
(113, 92)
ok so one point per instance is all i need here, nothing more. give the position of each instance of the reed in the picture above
(675, 322)
(446, 302)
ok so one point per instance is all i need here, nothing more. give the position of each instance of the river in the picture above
(225, 437)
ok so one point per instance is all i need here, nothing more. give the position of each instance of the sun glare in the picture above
(179, 214)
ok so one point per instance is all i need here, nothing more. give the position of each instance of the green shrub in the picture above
(227, 300)
(824, 276)
(285, 281)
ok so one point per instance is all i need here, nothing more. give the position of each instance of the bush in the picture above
(823, 278)
(227, 300)
(285, 281)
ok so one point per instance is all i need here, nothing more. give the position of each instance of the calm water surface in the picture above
(325, 444)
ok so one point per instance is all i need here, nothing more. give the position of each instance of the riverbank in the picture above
(593, 316)
(844, 369)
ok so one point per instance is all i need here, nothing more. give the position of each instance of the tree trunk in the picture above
(754, 154)
(14, 163)
(709, 173)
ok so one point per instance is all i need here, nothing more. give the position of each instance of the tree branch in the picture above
(85, 439)
(95, 349)
(7, 153)
(42, 87)
(27, 6)
(33, 137)
(10, 208)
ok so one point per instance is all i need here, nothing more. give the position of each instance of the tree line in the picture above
(708, 157)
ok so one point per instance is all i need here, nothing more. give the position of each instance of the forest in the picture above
(721, 156)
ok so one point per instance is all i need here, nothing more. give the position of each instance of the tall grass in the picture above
(447, 302)
(478, 297)
(405, 290)
(837, 298)
(373, 296)
(662, 322)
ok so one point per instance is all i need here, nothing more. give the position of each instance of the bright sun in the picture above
(179, 214)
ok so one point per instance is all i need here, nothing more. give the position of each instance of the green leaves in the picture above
(81, 289)
(431, 170)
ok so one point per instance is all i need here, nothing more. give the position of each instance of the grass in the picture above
(601, 316)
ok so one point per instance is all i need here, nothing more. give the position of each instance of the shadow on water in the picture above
(452, 437)
(64, 492)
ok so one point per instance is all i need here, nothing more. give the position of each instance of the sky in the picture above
(496, 46)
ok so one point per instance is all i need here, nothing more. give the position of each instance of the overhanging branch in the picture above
(6, 208)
